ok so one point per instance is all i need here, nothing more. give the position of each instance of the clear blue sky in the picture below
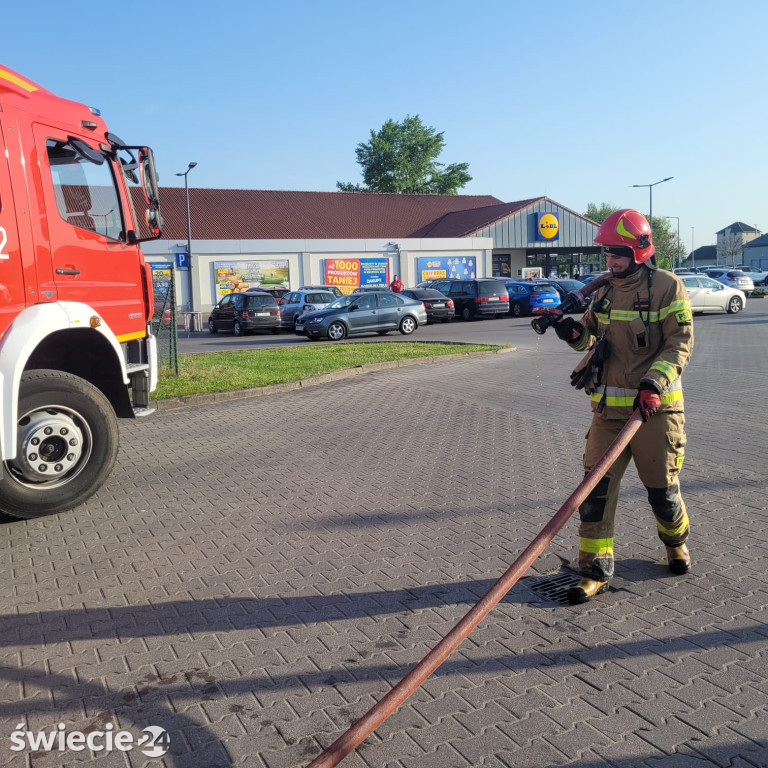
(576, 101)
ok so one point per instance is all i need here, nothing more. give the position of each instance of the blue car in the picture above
(525, 296)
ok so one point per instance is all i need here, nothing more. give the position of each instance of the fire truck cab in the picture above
(76, 350)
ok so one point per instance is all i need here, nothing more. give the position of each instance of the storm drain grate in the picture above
(554, 588)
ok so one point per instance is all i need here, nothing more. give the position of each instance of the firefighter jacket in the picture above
(646, 326)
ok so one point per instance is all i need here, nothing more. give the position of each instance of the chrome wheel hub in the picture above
(51, 444)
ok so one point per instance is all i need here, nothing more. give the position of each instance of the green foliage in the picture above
(669, 251)
(402, 157)
(600, 213)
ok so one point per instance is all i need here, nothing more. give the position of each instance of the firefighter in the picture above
(638, 335)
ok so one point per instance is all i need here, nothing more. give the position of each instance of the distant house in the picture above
(704, 256)
(756, 252)
(730, 238)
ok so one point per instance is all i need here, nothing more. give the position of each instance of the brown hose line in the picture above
(380, 711)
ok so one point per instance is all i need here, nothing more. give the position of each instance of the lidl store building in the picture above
(242, 239)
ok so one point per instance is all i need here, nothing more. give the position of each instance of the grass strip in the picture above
(226, 371)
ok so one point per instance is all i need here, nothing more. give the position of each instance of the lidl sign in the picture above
(547, 226)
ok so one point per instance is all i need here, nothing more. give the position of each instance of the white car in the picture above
(708, 295)
(758, 275)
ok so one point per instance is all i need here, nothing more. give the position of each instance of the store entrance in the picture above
(570, 264)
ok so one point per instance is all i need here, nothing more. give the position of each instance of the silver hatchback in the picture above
(733, 278)
(294, 304)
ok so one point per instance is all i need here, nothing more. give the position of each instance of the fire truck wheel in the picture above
(67, 445)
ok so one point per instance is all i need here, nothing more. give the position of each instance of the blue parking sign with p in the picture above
(182, 260)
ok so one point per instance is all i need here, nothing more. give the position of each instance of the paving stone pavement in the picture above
(256, 574)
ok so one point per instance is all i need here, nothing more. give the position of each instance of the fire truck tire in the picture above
(67, 445)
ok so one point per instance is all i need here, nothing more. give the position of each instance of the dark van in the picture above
(243, 313)
(480, 297)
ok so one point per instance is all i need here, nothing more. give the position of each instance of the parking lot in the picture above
(255, 575)
(506, 330)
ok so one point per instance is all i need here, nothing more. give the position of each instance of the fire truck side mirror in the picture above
(149, 176)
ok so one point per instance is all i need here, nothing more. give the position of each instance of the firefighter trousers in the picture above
(657, 449)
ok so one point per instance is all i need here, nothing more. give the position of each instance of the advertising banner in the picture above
(162, 275)
(239, 276)
(348, 274)
(501, 265)
(434, 267)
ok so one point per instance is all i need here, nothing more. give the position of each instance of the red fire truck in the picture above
(76, 350)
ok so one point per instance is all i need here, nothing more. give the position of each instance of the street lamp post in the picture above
(650, 192)
(678, 237)
(693, 253)
(189, 237)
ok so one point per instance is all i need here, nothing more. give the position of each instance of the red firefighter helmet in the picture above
(627, 228)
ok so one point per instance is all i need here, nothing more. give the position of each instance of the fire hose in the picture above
(380, 711)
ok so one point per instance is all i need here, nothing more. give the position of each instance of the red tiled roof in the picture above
(464, 223)
(256, 214)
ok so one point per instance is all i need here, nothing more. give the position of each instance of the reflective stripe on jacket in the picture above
(650, 339)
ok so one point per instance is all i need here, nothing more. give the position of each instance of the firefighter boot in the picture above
(586, 590)
(679, 559)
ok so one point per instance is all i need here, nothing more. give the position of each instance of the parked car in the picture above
(274, 291)
(525, 296)
(565, 286)
(370, 288)
(378, 312)
(733, 278)
(334, 289)
(759, 276)
(708, 295)
(438, 305)
(591, 276)
(425, 284)
(479, 297)
(296, 303)
(243, 313)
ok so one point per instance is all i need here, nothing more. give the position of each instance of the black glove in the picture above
(568, 329)
(648, 401)
(581, 377)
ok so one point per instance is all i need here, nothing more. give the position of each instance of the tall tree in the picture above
(600, 213)
(669, 250)
(402, 157)
(731, 245)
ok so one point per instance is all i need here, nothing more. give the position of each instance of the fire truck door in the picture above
(86, 224)
(12, 299)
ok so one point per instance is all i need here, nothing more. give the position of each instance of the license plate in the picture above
(262, 314)
(547, 301)
(493, 298)
(438, 305)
